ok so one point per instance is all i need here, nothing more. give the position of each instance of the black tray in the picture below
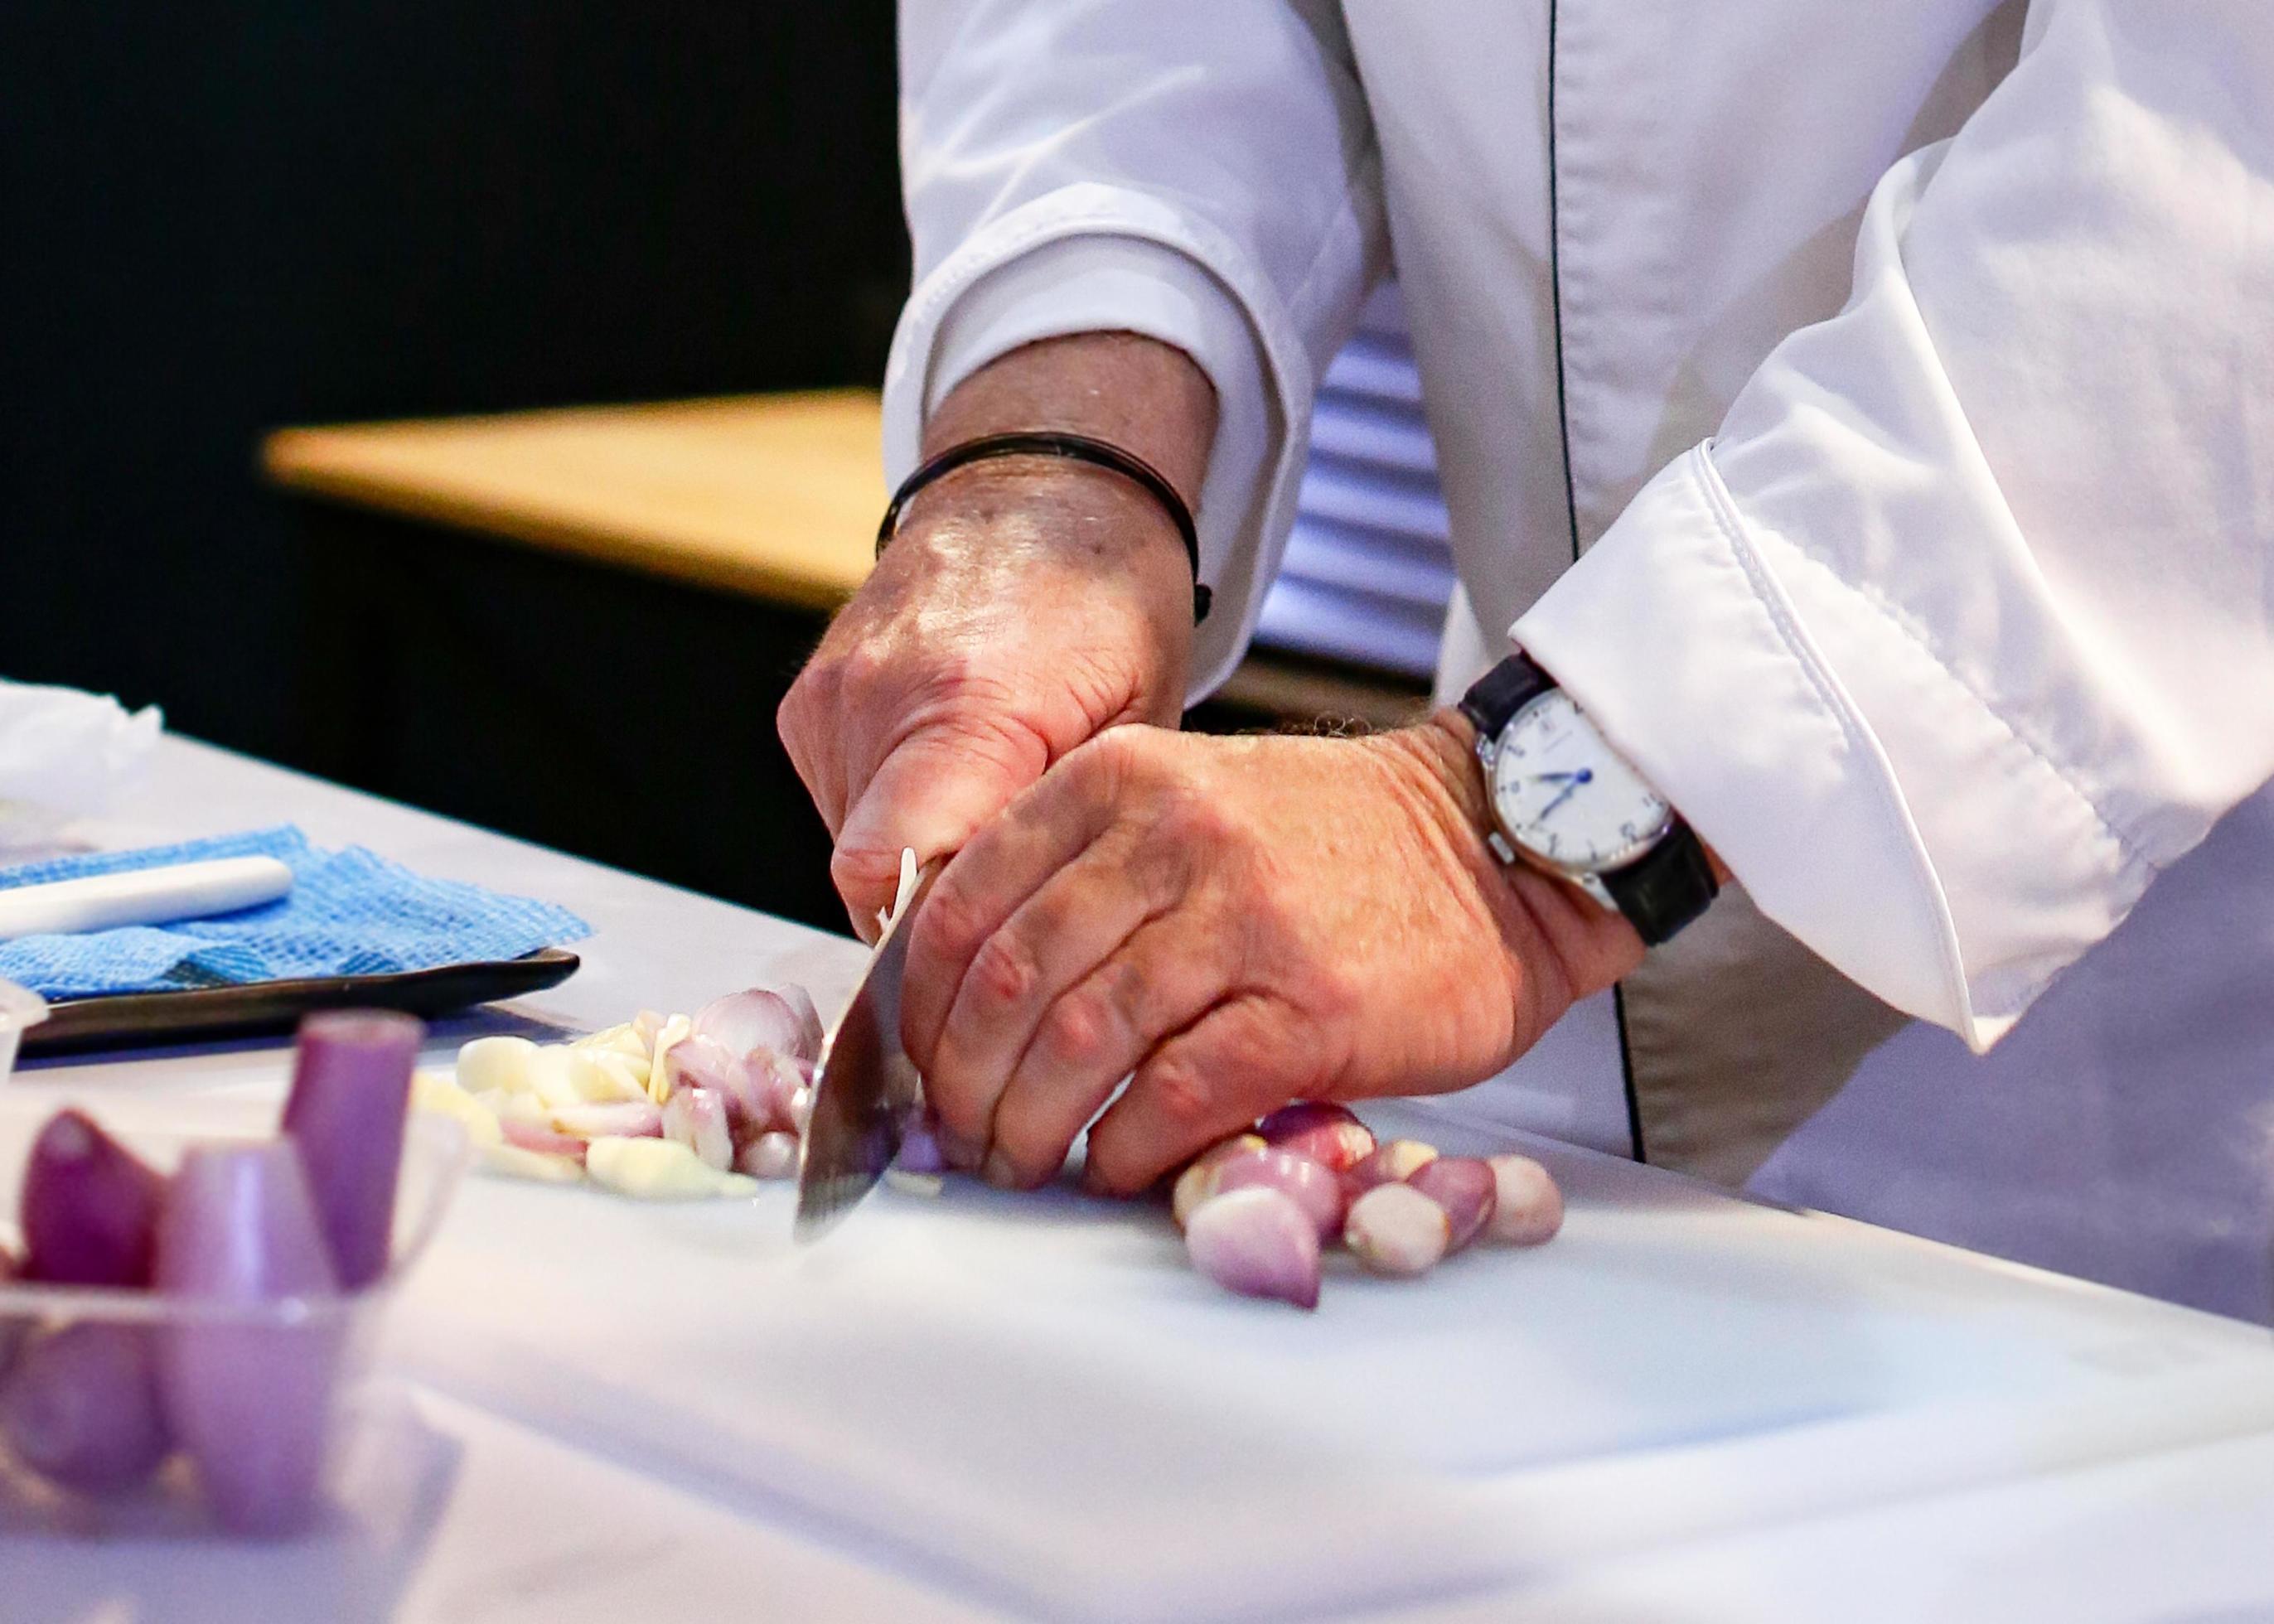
(125, 1019)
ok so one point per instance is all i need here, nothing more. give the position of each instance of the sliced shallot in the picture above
(1303, 1181)
(1256, 1242)
(1464, 1186)
(1528, 1208)
(1197, 1182)
(770, 1155)
(1392, 1162)
(697, 1118)
(1326, 1132)
(1396, 1229)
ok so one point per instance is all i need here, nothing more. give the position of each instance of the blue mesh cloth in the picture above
(350, 912)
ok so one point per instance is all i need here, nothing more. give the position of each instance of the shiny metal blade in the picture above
(865, 1088)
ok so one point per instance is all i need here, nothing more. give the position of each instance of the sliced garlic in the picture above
(430, 1091)
(537, 1166)
(495, 1063)
(651, 1169)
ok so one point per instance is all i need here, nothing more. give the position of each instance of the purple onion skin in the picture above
(82, 1408)
(1258, 1243)
(919, 1151)
(13, 1327)
(1466, 1188)
(251, 1403)
(1327, 1133)
(351, 1099)
(1303, 1181)
(90, 1208)
(1392, 1162)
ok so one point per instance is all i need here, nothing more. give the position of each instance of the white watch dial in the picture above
(1565, 796)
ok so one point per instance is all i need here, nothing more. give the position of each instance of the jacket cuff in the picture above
(1093, 258)
(1847, 779)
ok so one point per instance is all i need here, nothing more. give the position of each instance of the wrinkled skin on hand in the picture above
(1024, 606)
(1239, 922)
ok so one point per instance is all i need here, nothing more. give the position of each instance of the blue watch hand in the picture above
(1584, 776)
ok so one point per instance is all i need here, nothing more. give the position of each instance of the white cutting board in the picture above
(1034, 1400)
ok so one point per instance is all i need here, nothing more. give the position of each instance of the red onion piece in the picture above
(1303, 1181)
(696, 1117)
(770, 1155)
(1325, 1133)
(90, 1208)
(919, 1151)
(1528, 1208)
(540, 1138)
(780, 1022)
(251, 1404)
(1465, 1187)
(755, 1088)
(1197, 1182)
(1256, 1242)
(1396, 1229)
(1391, 1162)
(350, 1098)
(82, 1410)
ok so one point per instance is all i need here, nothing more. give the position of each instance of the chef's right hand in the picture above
(1026, 604)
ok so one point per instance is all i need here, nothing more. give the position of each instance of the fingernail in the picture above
(999, 1172)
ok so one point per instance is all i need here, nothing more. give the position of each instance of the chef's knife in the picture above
(866, 1086)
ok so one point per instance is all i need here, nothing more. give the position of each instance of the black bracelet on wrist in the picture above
(1074, 447)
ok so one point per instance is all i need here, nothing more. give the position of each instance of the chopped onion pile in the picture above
(1257, 1208)
(663, 1108)
(96, 1405)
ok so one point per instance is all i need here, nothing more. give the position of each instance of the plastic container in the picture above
(19, 1007)
(435, 1157)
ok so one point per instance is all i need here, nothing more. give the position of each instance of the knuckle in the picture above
(1183, 1093)
(1002, 971)
(1080, 1030)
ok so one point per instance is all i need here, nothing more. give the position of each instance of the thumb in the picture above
(929, 794)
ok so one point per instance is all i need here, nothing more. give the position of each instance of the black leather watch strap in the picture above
(1665, 888)
(1493, 703)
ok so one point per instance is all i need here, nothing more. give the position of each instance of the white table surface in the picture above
(1686, 1406)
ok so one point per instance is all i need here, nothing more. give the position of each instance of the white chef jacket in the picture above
(1900, 380)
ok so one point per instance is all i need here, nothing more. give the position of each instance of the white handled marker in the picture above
(143, 897)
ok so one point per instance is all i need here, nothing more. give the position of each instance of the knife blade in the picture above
(866, 1085)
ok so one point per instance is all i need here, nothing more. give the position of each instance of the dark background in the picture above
(223, 218)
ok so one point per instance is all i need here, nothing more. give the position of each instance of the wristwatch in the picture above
(1566, 802)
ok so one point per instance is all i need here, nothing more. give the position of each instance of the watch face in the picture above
(1566, 796)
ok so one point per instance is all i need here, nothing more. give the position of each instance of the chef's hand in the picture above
(1240, 922)
(1026, 604)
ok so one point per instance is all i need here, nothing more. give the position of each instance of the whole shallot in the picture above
(1258, 1243)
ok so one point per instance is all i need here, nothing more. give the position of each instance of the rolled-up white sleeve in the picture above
(1963, 626)
(1204, 174)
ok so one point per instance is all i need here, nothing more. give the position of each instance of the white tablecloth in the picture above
(1686, 1406)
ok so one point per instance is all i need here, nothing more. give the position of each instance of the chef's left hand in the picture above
(1240, 922)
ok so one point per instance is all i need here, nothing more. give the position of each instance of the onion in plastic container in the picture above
(351, 1099)
(11, 1329)
(249, 1398)
(90, 1208)
(82, 1408)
